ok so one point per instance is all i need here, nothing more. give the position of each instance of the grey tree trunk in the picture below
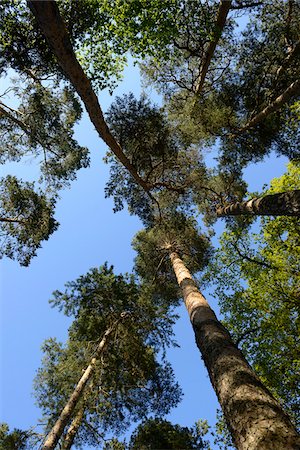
(223, 11)
(54, 29)
(66, 414)
(281, 204)
(255, 419)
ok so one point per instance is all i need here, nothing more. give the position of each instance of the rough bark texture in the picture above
(73, 429)
(282, 204)
(290, 92)
(255, 419)
(54, 29)
(66, 414)
(219, 25)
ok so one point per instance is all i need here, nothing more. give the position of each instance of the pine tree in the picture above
(254, 418)
(121, 378)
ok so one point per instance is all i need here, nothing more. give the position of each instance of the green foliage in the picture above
(222, 437)
(23, 47)
(158, 434)
(154, 245)
(176, 66)
(26, 219)
(257, 283)
(145, 138)
(157, 153)
(43, 127)
(130, 381)
(248, 71)
(15, 440)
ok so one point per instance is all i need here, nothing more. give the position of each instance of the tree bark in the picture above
(281, 204)
(54, 29)
(66, 414)
(223, 11)
(290, 92)
(255, 419)
(73, 429)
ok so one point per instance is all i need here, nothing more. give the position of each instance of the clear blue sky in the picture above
(89, 234)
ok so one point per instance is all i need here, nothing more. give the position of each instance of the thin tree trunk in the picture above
(66, 414)
(54, 29)
(73, 429)
(281, 204)
(255, 419)
(223, 11)
(291, 91)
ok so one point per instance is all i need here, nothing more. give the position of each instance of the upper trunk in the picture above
(223, 11)
(281, 204)
(66, 414)
(54, 29)
(291, 91)
(255, 419)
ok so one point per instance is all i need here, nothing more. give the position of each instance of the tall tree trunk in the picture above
(66, 414)
(291, 91)
(255, 419)
(54, 29)
(73, 429)
(223, 11)
(281, 204)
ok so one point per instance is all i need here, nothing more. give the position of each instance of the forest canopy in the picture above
(227, 88)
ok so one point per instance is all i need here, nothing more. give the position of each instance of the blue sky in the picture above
(89, 234)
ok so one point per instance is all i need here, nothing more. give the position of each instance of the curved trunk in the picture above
(223, 11)
(54, 29)
(73, 429)
(291, 91)
(281, 204)
(66, 414)
(255, 419)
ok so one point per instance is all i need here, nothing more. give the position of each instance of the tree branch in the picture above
(54, 29)
(290, 92)
(223, 11)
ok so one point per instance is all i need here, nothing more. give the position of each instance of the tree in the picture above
(128, 380)
(156, 434)
(256, 277)
(255, 419)
(173, 168)
(54, 29)
(26, 219)
(43, 126)
(282, 199)
(252, 84)
(17, 439)
(55, 434)
(40, 127)
(281, 204)
(186, 33)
